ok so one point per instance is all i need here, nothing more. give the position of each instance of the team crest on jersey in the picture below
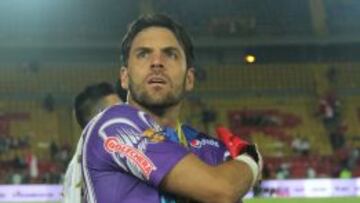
(153, 136)
(196, 143)
(113, 145)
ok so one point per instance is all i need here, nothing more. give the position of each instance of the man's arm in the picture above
(227, 182)
(129, 142)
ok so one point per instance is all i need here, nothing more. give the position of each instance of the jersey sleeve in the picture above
(135, 144)
(209, 150)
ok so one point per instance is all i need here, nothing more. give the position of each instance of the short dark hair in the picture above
(157, 20)
(88, 99)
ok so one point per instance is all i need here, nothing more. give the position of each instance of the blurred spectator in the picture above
(345, 173)
(337, 137)
(19, 162)
(305, 147)
(17, 177)
(353, 158)
(14, 143)
(49, 102)
(310, 172)
(63, 154)
(296, 145)
(332, 75)
(32, 164)
(329, 109)
(3, 145)
(54, 149)
(301, 146)
(326, 111)
(23, 141)
(283, 171)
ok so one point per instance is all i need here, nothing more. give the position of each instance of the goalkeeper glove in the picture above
(243, 151)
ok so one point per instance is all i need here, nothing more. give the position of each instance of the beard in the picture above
(159, 105)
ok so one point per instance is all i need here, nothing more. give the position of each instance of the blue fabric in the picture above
(170, 134)
(189, 132)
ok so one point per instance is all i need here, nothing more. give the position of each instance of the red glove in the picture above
(234, 144)
(243, 151)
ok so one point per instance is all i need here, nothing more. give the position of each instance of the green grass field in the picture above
(305, 200)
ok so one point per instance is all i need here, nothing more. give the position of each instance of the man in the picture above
(140, 152)
(92, 100)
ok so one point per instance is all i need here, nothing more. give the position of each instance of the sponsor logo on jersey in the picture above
(153, 135)
(113, 145)
(195, 143)
(202, 142)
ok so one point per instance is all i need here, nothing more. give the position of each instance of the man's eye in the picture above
(172, 55)
(142, 54)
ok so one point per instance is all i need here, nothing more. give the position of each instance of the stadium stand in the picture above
(290, 90)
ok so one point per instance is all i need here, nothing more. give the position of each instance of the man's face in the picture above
(103, 103)
(156, 75)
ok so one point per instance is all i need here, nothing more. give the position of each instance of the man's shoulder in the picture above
(122, 119)
(123, 109)
(118, 111)
(109, 117)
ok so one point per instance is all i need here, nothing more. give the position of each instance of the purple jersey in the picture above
(126, 154)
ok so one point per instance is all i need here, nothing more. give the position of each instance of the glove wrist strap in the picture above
(252, 165)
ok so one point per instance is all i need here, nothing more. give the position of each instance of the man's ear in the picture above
(190, 79)
(124, 77)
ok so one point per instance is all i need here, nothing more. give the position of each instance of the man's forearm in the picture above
(238, 177)
(192, 178)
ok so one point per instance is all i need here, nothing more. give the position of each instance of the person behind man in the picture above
(141, 152)
(92, 100)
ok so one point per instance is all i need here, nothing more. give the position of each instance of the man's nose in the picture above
(157, 61)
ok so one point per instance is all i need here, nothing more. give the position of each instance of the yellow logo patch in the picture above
(153, 135)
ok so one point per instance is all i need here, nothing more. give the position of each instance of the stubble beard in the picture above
(157, 106)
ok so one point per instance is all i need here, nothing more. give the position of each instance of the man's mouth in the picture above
(157, 80)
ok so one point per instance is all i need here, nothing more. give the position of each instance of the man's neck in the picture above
(168, 117)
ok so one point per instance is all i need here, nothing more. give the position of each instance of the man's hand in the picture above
(243, 151)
